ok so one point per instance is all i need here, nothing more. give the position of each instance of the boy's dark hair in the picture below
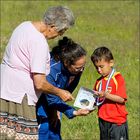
(67, 51)
(101, 53)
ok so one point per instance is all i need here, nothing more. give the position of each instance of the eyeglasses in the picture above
(61, 32)
(78, 68)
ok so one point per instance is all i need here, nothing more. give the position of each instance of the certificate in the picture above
(85, 99)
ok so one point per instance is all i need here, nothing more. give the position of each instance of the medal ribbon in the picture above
(100, 87)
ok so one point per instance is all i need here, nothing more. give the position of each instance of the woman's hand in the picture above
(81, 112)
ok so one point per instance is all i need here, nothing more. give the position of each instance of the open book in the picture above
(85, 99)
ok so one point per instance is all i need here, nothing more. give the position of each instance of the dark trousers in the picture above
(111, 131)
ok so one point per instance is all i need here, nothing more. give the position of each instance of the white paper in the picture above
(85, 99)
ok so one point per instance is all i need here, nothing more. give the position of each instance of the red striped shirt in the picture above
(111, 111)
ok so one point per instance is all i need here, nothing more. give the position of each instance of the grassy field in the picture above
(114, 24)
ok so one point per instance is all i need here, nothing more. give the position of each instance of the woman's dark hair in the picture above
(67, 51)
(101, 53)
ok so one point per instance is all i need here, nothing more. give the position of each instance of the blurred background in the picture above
(114, 24)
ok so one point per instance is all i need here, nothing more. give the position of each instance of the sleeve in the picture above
(96, 85)
(56, 102)
(121, 88)
(39, 57)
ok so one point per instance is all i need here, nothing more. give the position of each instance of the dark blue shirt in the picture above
(59, 77)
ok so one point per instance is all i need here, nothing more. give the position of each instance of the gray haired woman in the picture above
(24, 67)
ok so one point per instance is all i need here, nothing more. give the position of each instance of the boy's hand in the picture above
(102, 93)
(96, 92)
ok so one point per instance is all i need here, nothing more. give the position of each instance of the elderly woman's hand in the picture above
(65, 95)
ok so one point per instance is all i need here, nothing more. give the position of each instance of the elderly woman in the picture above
(67, 64)
(24, 67)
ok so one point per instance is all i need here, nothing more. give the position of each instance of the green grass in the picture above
(114, 24)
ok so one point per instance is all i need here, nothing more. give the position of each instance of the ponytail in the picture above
(67, 51)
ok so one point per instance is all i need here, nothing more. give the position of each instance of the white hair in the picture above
(61, 16)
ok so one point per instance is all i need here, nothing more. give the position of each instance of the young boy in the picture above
(112, 97)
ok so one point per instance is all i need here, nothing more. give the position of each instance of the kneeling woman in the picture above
(67, 64)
